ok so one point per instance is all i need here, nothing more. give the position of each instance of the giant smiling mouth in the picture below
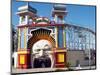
(42, 62)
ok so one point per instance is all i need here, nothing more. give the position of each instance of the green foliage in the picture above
(68, 64)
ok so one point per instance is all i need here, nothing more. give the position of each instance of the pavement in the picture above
(37, 70)
(83, 68)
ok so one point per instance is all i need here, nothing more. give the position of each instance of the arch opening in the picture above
(41, 52)
(41, 45)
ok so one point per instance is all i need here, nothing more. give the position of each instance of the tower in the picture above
(26, 14)
(59, 12)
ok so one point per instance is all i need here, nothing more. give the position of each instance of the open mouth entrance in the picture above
(41, 44)
(41, 54)
(41, 51)
(42, 62)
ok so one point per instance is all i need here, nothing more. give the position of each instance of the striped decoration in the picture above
(38, 35)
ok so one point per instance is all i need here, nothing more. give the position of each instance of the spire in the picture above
(25, 12)
(27, 4)
(59, 12)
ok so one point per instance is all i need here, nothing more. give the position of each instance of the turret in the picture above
(59, 12)
(26, 14)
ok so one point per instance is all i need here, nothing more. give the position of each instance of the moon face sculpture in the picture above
(42, 56)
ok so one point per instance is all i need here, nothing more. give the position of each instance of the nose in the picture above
(41, 53)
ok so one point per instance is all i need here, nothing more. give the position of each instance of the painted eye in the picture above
(38, 50)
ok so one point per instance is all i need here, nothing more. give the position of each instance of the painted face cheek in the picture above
(40, 53)
(35, 51)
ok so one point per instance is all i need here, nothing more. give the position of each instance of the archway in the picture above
(38, 35)
(41, 52)
(41, 36)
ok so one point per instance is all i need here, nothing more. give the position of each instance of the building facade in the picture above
(41, 42)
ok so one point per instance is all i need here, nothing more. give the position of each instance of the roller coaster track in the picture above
(81, 28)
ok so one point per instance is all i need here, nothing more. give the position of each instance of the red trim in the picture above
(25, 66)
(42, 25)
(27, 61)
(60, 64)
(21, 65)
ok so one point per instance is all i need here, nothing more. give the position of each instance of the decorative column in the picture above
(64, 37)
(25, 38)
(19, 38)
(26, 19)
(20, 20)
(56, 36)
(23, 53)
(55, 18)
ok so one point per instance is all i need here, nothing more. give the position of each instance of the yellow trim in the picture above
(56, 36)
(22, 49)
(64, 37)
(25, 35)
(22, 59)
(23, 52)
(61, 58)
(61, 51)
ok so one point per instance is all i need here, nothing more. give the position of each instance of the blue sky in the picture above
(77, 14)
